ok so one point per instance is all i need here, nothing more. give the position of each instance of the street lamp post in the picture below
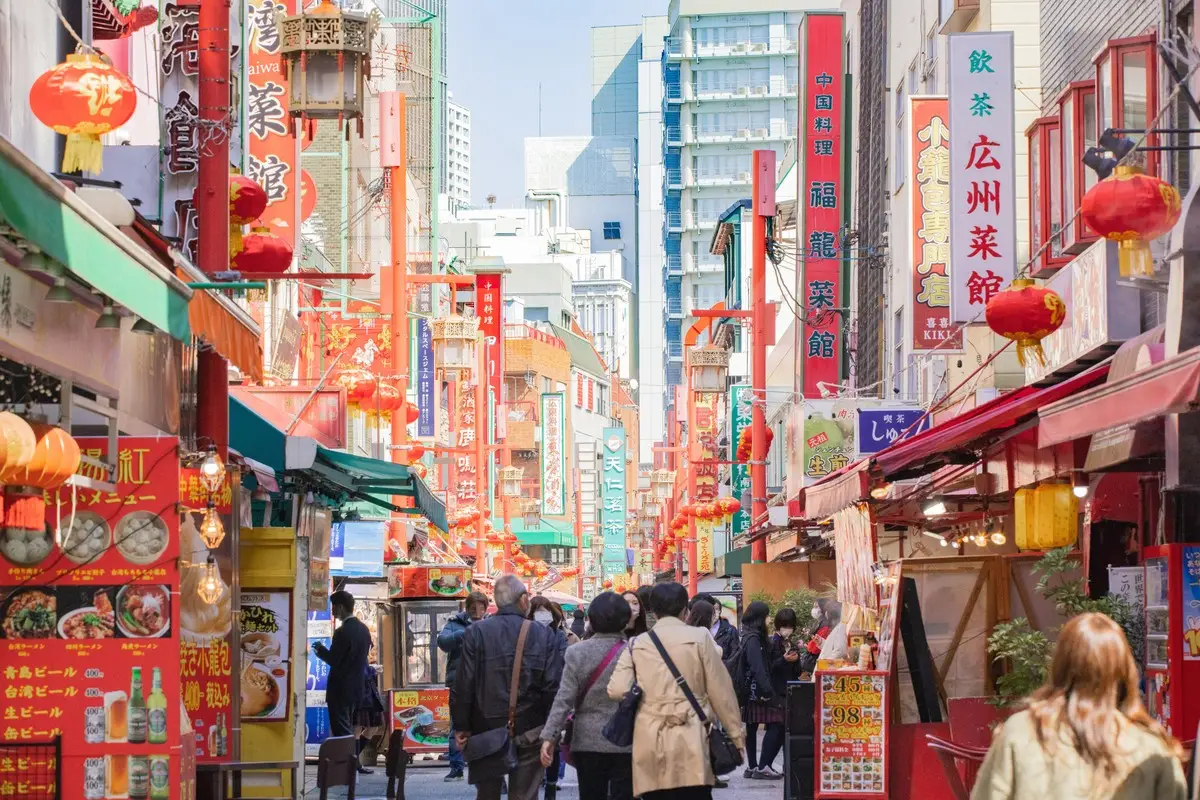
(707, 368)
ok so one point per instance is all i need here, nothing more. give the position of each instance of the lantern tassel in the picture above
(1135, 259)
(83, 153)
(236, 243)
(1027, 348)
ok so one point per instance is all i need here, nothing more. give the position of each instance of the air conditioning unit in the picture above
(742, 90)
(761, 133)
(743, 133)
(759, 47)
(743, 177)
(739, 48)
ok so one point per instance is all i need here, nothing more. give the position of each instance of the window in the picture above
(897, 350)
(900, 158)
(1045, 195)
(929, 78)
(579, 390)
(1077, 124)
(1127, 83)
(612, 230)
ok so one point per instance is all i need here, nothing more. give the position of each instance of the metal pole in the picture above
(212, 371)
(482, 500)
(578, 533)
(394, 118)
(692, 457)
(763, 207)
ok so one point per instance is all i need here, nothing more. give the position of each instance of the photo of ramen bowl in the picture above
(29, 614)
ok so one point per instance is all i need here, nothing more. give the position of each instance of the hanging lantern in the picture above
(731, 506)
(359, 384)
(608, 584)
(247, 202)
(709, 365)
(54, 460)
(326, 55)
(411, 413)
(1132, 209)
(1046, 517)
(415, 451)
(17, 443)
(211, 586)
(689, 509)
(385, 400)
(83, 98)
(1026, 313)
(263, 251)
(662, 481)
(510, 481)
(212, 532)
(454, 341)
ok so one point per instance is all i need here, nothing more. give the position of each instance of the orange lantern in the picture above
(387, 399)
(1026, 313)
(359, 384)
(415, 451)
(55, 458)
(83, 98)
(1131, 208)
(689, 509)
(411, 413)
(262, 251)
(608, 584)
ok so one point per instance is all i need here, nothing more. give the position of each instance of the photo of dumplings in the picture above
(141, 537)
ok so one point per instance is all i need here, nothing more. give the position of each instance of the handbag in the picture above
(569, 731)
(495, 751)
(722, 753)
(619, 728)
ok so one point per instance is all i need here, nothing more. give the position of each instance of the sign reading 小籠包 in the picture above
(983, 231)
(614, 501)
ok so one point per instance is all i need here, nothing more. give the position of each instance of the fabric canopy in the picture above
(837, 491)
(259, 440)
(68, 230)
(363, 477)
(1169, 387)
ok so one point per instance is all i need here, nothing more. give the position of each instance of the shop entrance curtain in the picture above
(854, 540)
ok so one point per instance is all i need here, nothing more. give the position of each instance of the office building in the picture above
(458, 154)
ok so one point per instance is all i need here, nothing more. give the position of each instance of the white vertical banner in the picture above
(983, 156)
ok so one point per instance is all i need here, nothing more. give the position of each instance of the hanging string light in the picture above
(211, 529)
(210, 587)
(212, 471)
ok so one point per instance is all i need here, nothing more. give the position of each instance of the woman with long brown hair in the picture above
(1085, 734)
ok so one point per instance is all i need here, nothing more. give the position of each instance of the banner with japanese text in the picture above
(739, 474)
(614, 501)
(490, 310)
(89, 614)
(929, 194)
(820, 195)
(554, 455)
(425, 394)
(707, 424)
(983, 156)
(828, 437)
(465, 469)
(880, 427)
(272, 148)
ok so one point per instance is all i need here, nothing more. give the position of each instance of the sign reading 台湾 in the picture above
(490, 311)
(929, 188)
(880, 427)
(983, 239)
(612, 513)
(852, 735)
(739, 419)
(820, 194)
(425, 396)
(554, 455)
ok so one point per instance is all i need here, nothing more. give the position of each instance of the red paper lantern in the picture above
(247, 200)
(1132, 208)
(416, 451)
(411, 413)
(262, 251)
(608, 584)
(386, 399)
(689, 509)
(730, 506)
(359, 384)
(83, 98)
(1026, 313)
(418, 470)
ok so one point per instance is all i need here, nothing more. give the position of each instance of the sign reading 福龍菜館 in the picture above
(852, 732)
(983, 230)
(614, 501)
(820, 195)
(554, 455)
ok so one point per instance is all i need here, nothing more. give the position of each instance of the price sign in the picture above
(852, 726)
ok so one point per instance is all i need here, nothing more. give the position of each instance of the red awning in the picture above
(936, 445)
(837, 491)
(1169, 387)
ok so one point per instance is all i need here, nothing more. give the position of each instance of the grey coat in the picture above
(596, 708)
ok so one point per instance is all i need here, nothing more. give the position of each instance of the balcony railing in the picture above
(674, 265)
(709, 263)
(696, 221)
(775, 46)
(673, 221)
(674, 307)
(729, 179)
(731, 93)
(674, 136)
(775, 130)
(673, 92)
(675, 351)
(673, 178)
(674, 47)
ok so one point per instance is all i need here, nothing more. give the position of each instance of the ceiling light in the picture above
(934, 508)
(108, 320)
(59, 293)
(35, 260)
(1079, 484)
(998, 537)
(881, 492)
(142, 326)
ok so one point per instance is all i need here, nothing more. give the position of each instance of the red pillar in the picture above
(212, 211)
(763, 207)
(693, 455)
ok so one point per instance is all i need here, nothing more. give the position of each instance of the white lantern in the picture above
(709, 365)
(510, 481)
(326, 53)
(454, 342)
(662, 482)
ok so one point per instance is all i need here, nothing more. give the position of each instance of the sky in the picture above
(499, 51)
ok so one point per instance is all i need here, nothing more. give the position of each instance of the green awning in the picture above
(730, 564)
(43, 211)
(367, 479)
(549, 533)
(255, 438)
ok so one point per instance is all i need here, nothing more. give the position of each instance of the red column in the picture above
(693, 455)
(393, 118)
(763, 207)
(212, 211)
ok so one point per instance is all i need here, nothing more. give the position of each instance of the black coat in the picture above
(726, 637)
(479, 696)
(782, 671)
(449, 641)
(347, 660)
(755, 653)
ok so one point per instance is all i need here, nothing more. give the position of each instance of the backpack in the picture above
(735, 663)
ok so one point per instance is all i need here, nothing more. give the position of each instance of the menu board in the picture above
(424, 716)
(266, 648)
(891, 598)
(446, 582)
(1191, 603)
(89, 618)
(852, 734)
(206, 629)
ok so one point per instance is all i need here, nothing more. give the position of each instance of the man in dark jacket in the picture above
(479, 697)
(725, 634)
(347, 660)
(450, 643)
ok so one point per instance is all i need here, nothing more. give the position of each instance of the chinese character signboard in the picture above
(359, 339)
(425, 398)
(615, 502)
(424, 716)
(554, 455)
(739, 419)
(490, 311)
(880, 427)
(266, 647)
(465, 469)
(852, 740)
(828, 437)
(929, 188)
(983, 239)
(272, 149)
(90, 622)
(820, 195)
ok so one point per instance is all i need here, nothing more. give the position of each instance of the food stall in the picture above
(1173, 636)
(423, 599)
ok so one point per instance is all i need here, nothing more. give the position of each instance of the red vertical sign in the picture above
(490, 311)
(929, 185)
(820, 194)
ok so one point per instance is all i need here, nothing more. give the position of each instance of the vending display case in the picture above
(1172, 617)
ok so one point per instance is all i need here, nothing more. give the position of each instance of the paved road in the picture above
(425, 783)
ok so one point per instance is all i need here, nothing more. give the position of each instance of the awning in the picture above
(367, 478)
(67, 229)
(279, 418)
(974, 429)
(1170, 387)
(837, 491)
(257, 439)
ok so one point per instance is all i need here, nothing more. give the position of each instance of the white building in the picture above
(616, 50)
(458, 154)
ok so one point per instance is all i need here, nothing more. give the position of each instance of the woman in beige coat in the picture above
(670, 746)
(1086, 734)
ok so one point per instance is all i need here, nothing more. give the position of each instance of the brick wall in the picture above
(1074, 31)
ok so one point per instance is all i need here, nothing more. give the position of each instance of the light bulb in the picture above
(942, 541)
(955, 544)
(1080, 491)
(210, 583)
(998, 537)
(212, 471)
(934, 508)
(981, 541)
(211, 529)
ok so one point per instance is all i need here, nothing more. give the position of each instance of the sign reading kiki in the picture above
(880, 427)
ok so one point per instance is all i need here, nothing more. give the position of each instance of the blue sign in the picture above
(356, 549)
(880, 427)
(317, 679)
(425, 400)
(316, 728)
(613, 510)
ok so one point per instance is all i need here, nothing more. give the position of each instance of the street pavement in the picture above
(425, 783)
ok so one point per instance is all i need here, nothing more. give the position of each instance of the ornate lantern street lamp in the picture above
(454, 342)
(326, 57)
(709, 365)
(510, 481)
(662, 481)
(529, 510)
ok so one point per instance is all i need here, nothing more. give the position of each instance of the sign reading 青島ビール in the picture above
(983, 231)
(820, 197)
(613, 510)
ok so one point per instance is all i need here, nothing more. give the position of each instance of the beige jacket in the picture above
(1017, 767)
(670, 746)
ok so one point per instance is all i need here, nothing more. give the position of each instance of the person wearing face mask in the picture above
(822, 625)
(545, 612)
(637, 620)
(783, 664)
(724, 634)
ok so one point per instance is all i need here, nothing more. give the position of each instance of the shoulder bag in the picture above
(495, 750)
(569, 733)
(619, 728)
(722, 753)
